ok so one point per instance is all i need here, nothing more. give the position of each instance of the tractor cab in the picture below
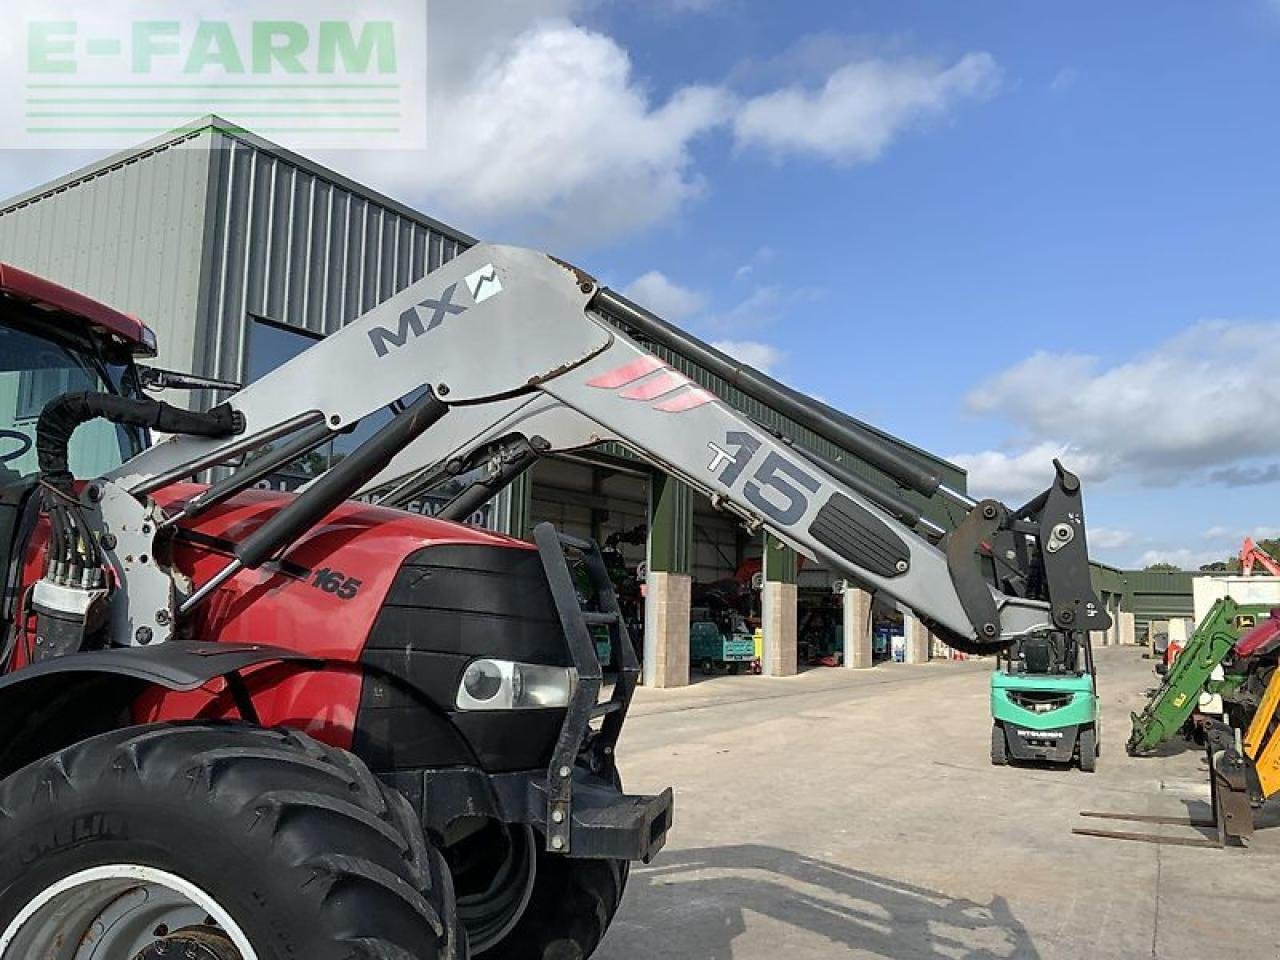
(1044, 703)
(55, 341)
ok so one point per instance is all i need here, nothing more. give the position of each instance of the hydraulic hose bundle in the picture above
(74, 554)
(69, 599)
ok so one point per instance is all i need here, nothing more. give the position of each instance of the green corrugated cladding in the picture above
(670, 524)
(781, 563)
(1147, 594)
(520, 504)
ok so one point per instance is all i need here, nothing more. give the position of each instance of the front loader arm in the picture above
(505, 342)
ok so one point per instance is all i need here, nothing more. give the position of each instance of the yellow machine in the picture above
(1262, 741)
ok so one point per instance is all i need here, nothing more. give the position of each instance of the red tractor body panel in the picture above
(51, 297)
(321, 599)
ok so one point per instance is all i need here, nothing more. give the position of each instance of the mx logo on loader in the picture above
(482, 285)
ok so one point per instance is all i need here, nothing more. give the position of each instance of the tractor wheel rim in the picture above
(118, 912)
(490, 916)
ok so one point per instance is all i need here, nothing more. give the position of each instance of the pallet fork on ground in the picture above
(1244, 772)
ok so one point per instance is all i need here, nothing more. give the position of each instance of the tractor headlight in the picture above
(504, 685)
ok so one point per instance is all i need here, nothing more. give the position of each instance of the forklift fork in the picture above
(1230, 798)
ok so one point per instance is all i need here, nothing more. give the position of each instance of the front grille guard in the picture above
(577, 740)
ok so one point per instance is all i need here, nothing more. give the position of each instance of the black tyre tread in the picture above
(999, 746)
(326, 819)
(569, 913)
(1088, 750)
(428, 864)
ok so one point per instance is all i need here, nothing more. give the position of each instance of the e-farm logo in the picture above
(318, 74)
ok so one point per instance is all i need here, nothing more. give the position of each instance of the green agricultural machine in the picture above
(713, 649)
(1194, 679)
(1044, 701)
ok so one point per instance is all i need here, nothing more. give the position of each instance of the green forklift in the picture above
(1044, 701)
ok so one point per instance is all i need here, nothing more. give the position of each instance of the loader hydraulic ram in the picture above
(265, 725)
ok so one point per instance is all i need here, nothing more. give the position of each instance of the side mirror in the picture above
(155, 379)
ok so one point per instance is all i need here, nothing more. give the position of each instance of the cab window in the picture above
(36, 367)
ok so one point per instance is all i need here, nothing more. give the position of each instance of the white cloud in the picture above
(762, 307)
(691, 6)
(1247, 475)
(1236, 535)
(861, 107)
(657, 292)
(554, 136)
(1181, 557)
(542, 131)
(1064, 79)
(758, 259)
(1167, 416)
(764, 357)
(1109, 538)
(546, 133)
(1005, 475)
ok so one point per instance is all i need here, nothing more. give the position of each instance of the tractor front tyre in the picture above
(1088, 750)
(999, 745)
(216, 841)
(561, 909)
(572, 905)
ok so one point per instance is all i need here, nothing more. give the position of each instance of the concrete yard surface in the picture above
(857, 814)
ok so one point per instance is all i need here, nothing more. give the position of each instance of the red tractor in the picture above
(249, 725)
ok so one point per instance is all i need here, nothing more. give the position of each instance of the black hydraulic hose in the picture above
(73, 552)
(60, 417)
(59, 541)
(804, 411)
(340, 482)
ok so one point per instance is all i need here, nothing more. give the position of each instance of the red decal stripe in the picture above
(689, 400)
(629, 373)
(655, 386)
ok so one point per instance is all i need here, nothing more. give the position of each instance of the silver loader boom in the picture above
(556, 376)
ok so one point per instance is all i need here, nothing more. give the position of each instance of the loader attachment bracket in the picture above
(964, 547)
(1065, 555)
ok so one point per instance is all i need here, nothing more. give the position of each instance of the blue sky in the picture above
(1001, 230)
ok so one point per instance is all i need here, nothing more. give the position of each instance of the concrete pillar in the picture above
(668, 587)
(1128, 630)
(779, 595)
(917, 638)
(666, 629)
(859, 651)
